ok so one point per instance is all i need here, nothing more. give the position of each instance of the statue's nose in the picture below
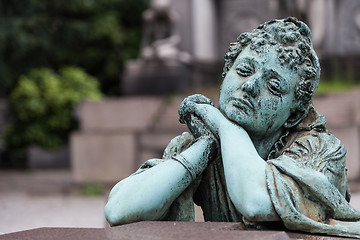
(251, 86)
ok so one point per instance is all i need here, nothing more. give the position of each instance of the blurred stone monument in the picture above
(162, 68)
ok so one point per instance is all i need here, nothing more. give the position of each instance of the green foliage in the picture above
(92, 189)
(43, 103)
(96, 35)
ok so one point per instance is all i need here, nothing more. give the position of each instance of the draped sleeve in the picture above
(308, 187)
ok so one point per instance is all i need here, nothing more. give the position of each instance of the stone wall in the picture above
(118, 135)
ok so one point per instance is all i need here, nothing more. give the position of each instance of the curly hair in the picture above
(292, 39)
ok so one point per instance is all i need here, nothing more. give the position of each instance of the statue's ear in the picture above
(294, 119)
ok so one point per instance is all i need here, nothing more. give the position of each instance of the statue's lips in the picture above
(240, 102)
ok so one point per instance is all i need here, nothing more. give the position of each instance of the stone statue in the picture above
(162, 67)
(264, 157)
(160, 37)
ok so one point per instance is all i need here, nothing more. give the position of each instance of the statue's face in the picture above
(258, 93)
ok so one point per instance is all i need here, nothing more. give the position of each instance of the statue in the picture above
(264, 157)
(160, 36)
(163, 67)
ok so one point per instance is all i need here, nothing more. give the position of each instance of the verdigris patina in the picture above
(264, 158)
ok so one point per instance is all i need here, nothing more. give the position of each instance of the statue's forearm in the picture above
(148, 195)
(245, 175)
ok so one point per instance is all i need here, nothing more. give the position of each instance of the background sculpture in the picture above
(162, 67)
(160, 36)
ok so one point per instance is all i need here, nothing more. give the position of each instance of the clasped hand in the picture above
(202, 118)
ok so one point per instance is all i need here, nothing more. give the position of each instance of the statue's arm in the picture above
(243, 167)
(245, 174)
(148, 195)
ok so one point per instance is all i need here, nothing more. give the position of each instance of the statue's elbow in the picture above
(253, 211)
(259, 211)
(253, 215)
(111, 215)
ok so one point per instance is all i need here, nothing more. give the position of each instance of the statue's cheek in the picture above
(269, 106)
(272, 110)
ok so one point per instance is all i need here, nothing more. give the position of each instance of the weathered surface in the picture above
(264, 157)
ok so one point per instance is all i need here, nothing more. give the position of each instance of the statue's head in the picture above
(272, 71)
(160, 5)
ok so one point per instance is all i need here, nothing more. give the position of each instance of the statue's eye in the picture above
(245, 69)
(274, 86)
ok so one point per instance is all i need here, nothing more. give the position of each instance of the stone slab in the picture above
(120, 114)
(162, 230)
(57, 234)
(102, 157)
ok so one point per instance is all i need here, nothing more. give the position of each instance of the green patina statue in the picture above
(264, 158)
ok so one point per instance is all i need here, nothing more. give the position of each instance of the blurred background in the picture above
(90, 89)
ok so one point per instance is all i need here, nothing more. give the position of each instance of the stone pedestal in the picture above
(163, 230)
(99, 157)
(119, 115)
(106, 147)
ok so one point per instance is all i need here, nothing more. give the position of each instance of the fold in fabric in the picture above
(307, 201)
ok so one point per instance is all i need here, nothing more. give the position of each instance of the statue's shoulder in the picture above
(319, 150)
(316, 141)
(311, 144)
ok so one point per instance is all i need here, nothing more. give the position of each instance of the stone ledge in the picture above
(121, 114)
(163, 230)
